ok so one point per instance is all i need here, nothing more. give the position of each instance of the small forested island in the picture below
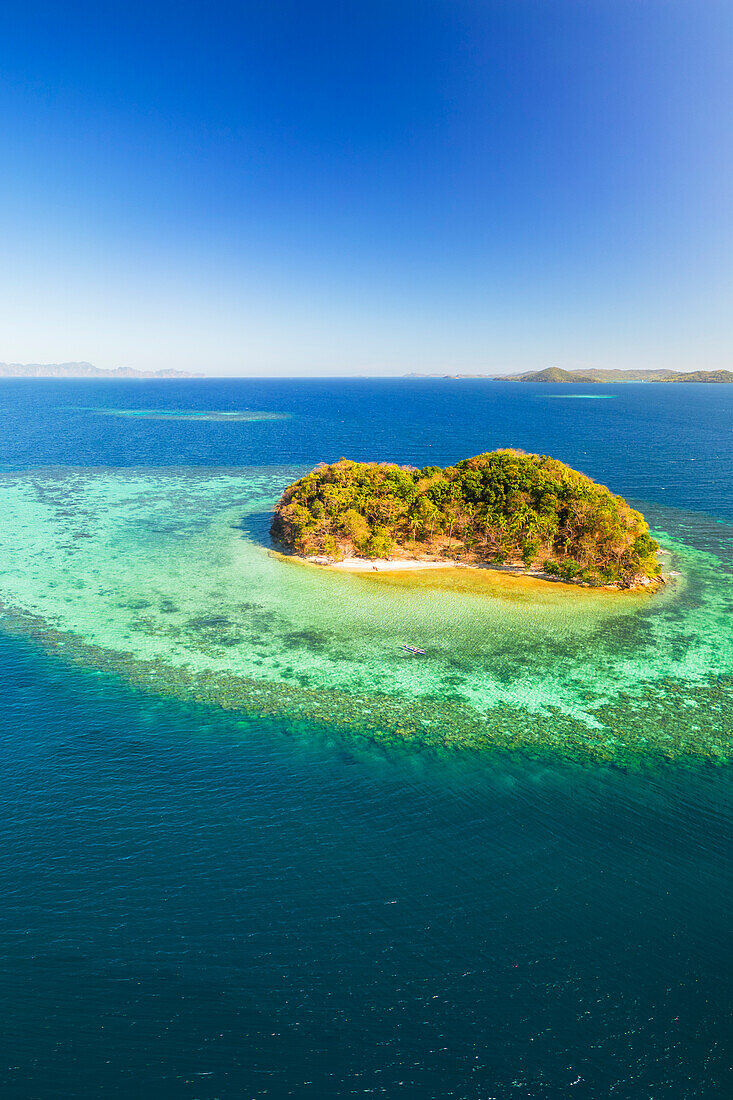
(503, 509)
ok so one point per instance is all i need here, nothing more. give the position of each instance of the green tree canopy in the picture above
(503, 506)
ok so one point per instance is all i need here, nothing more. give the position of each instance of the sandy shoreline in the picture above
(388, 565)
(398, 565)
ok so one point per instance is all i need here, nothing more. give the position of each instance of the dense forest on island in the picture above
(504, 507)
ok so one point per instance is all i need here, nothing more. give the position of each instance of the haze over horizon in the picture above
(452, 187)
(82, 369)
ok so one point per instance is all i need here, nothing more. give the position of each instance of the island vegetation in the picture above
(501, 508)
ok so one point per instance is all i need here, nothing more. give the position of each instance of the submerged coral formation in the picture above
(162, 577)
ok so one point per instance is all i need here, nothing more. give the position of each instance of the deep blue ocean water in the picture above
(210, 905)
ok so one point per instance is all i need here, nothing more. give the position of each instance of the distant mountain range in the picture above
(82, 370)
(556, 374)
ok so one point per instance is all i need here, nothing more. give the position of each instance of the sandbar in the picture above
(420, 565)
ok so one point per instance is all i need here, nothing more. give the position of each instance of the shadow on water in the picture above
(255, 526)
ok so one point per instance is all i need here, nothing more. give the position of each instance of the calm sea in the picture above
(246, 851)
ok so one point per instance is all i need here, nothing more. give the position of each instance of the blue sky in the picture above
(367, 187)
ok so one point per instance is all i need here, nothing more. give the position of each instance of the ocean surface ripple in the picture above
(248, 850)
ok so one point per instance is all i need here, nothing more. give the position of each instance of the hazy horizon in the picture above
(213, 374)
(279, 190)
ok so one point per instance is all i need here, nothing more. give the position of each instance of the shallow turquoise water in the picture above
(222, 416)
(248, 849)
(167, 576)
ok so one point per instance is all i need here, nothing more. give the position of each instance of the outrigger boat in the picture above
(414, 650)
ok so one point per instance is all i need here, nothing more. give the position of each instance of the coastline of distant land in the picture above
(83, 370)
(556, 374)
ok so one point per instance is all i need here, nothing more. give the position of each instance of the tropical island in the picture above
(505, 509)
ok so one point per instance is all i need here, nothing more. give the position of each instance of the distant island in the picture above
(507, 509)
(557, 374)
(82, 370)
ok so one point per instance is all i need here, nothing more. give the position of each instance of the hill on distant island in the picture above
(81, 370)
(504, 507)
(557, 374)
